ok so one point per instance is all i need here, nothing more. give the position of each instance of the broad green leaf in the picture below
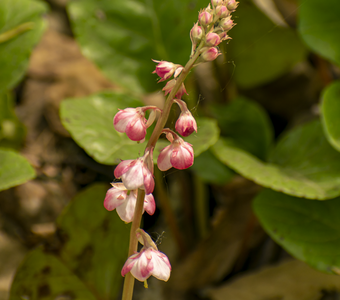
(11, 130)
(309, 230)
(122, 37)
(15, 51)
(14, 169)
(96, 242)
(260, 50)
(44, 276)
(303, 164)
(206, 136)
(211, 170)
(319, 27)
(247, 124)
(331, 112)
(90, 122)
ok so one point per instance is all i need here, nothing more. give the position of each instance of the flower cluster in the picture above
(207, 33)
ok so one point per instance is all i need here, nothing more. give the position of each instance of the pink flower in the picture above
(209, 54)
(132, 122)
(232, 5)
(205, 18)
(196, 33)
(148, 262)
(222, 11)
(227, 23)
(170, 85)
(135, 174)
(165, 69)
(118, 198)
(179, 154)
(212, 39)
(186, 124)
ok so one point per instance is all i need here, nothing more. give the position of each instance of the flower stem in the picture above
(10, 34)
(129, 280)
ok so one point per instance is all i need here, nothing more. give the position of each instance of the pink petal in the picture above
(122, 118)
(163, 160)
(149, 204)
(182, 157)
(133, 178)
(140, 269)
(136, 129)
(161, 265)
(126, 211)
(149, 182)
(114, 198)
(130, 263)
(122, 168)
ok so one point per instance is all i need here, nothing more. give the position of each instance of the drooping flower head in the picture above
(135, 174)
(166, 69)
(186, 123)
(124, 201)
(148, 262)
(179, 154)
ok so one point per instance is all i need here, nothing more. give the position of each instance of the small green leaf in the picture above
(211, 170)
(247, 123)
(319, 27)
(260, 50)
(14, 52)
(303, 164)
(44, 276)
(11, 130)
(122, 37)
(96, 244)
(90, 122)
(331, 112)
(309, 230)
(14, 169)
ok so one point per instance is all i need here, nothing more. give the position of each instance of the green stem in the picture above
(129, 280)
(10, 34)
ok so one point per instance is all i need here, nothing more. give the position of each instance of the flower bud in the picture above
(196, 34)
(232, 5)
(212, 39)
(205, 18)
(210, 54)
(227, 23)
(165, 69)
(216, 2)
(170, 85)
(186, 124)
(222, 11)
(178, 154)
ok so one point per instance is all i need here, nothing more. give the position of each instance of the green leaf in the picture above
(44, 276)
(303, 164)
(96, 244)
(14, 52)
(122, 37)
(90, 122)
(319, 27)
(330, 114)
(211, 170)
(11, 130)
(14, 169)
(247, 123)
(309, 230)
(260, 50)
(206, 136)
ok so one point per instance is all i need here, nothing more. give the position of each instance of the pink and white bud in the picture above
(118, 197)
(205, 18)
(179, 154)
(216, 2)
(132, 122)
(212, 39)
(196, 34)
(232, 5)
(210, 54)
(165, 69)
(227, 23)
(222, 11)
(186, 123)
(148, 262)
(135, 174)
(170, 85)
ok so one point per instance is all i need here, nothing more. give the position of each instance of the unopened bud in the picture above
(205, 18)
(222, 11)
(210, 54)
(227, 23)
(212, 39)
(232, 5)
(216, 2)
(196, 34)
